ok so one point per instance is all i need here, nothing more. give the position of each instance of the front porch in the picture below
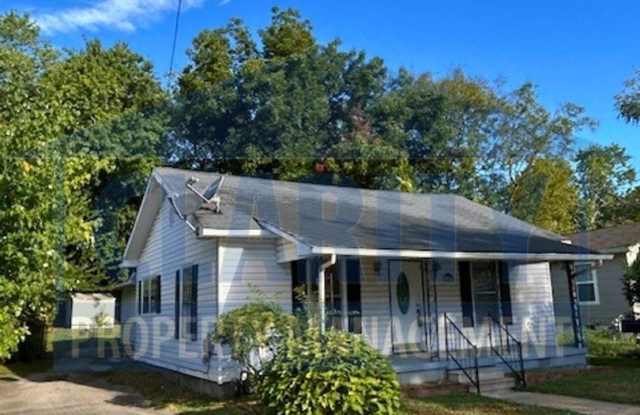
(403, 306)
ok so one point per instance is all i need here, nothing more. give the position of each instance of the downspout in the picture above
(321, 290)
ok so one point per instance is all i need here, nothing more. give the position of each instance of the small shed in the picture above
(86, 311)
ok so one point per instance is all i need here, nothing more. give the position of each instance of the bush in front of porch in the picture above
(335, 372)
(295, 368)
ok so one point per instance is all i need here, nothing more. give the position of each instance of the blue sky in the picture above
(574, 50)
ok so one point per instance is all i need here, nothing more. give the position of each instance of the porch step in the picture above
(491, 379)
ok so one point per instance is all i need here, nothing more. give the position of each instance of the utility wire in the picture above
(175, 40)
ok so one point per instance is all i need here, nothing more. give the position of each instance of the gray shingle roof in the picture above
(621, 236)
(343, 217)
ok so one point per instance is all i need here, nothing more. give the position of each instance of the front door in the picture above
(408, 311)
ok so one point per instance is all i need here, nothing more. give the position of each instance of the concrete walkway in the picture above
(67, 397)
(583, 406)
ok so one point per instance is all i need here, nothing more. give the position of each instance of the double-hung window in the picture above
(587, 284)
(149, 294)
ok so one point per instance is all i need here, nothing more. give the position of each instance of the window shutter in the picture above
(139, 297)
(466, 294)
(505, 294)
(146, 296)
(176, 306)
(158, 295)
(298, 285)
(194, 303)
(354, 301)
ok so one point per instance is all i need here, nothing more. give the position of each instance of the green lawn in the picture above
(613, 375)
(617, 381)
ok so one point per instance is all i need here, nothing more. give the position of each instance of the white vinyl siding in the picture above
(172, 246)
(249, 271)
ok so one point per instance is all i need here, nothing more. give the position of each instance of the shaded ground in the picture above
(24, 396)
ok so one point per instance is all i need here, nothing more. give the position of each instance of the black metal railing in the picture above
(508, 349)
(461, 351)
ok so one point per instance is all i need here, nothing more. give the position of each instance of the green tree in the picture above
(526, 131)
(631, 283)
(68, 129)
(546, 195)
(628, 101)
(441, 125)
(287, 35)
(605, 175)
(277, 112)
(31, 202)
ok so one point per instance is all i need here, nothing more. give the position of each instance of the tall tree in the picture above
(442, 125)
(526, 131)
(31, 202)
(57, 159)
(100, 88)
(605, 175)
(546, 195)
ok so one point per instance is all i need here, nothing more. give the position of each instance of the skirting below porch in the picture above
(417, 368)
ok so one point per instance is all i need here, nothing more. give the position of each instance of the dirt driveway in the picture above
(70, 396)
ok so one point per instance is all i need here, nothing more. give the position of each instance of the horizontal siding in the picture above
(249, 271)
(171, 246)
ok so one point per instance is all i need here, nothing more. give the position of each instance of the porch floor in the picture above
(533, 355)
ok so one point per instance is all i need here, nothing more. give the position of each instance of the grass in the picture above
(469, 404)
(614, 375)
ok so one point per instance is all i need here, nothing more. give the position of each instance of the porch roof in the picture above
(331, 219)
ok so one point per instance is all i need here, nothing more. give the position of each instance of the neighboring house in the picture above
(86, 311)
(410, 273)
(600, 286)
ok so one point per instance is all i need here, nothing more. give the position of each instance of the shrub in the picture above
(603, 344)
(334, 373)
(253, 333)
(631, 282)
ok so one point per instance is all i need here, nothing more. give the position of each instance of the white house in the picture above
(434, 281)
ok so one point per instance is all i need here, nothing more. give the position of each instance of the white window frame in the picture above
(596, 291)
(146, 287)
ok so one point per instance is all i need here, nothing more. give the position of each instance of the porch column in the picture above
(321, 291)
(575, 305)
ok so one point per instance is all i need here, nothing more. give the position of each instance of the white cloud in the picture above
(123, 15)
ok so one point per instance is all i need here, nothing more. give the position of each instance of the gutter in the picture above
(402, 253)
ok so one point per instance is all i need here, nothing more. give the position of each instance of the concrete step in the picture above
(504, 384)
(492, 379)
(483, 374)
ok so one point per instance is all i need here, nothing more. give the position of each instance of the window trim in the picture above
(145, 286)
(596, 289)
(188, 324)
